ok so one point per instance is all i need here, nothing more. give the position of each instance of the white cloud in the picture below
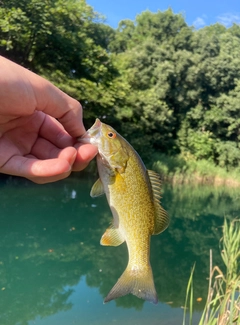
(228, 18)
(199, 22)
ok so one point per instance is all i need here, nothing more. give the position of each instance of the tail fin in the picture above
(138, 282)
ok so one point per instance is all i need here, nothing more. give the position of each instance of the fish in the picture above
(133, 194)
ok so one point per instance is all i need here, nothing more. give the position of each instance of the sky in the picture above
(197, 13)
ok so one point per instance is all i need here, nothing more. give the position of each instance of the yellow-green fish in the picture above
(133, 195)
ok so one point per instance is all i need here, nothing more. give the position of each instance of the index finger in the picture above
(56, 103)
(36, 93)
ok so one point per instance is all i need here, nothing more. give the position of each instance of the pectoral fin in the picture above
(97, 189)
(161, 216)
(112, 237)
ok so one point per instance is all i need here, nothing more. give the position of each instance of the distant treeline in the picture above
(164, 85)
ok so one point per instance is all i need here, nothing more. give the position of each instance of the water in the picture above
(53, 271)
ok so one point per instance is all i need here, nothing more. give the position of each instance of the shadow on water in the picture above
(49, 241)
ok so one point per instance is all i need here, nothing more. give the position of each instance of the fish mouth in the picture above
(91, 135)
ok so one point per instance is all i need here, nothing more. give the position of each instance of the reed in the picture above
(223, 300)
(181, 169)
(189, 299)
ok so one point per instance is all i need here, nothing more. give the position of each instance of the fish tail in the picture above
(136, 281)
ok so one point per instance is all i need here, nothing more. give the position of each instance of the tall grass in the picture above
(184, 169)
(189, 297)
(223, 300)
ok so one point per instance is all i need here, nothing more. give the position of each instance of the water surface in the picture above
(53, 271)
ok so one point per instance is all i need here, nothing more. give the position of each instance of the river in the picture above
(53, 270)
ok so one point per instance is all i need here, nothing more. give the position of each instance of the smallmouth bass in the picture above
(133, 195)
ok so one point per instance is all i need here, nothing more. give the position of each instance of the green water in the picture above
(53, 270)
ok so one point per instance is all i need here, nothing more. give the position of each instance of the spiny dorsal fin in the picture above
(97, 189)
(161, 216)
(112, 237)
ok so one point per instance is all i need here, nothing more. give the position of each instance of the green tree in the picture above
(155, 63)
(159, 82)
(66, 42)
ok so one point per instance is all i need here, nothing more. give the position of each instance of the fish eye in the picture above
(111, 135)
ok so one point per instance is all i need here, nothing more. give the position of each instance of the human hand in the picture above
(33, 144)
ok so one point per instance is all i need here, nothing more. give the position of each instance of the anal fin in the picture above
(112, 237)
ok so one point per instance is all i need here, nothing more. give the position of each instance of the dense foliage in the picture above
(162, 84)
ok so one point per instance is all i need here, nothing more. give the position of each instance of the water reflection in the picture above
(49, 238)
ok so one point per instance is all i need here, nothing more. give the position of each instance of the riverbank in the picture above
(183, 170)
(222, 303)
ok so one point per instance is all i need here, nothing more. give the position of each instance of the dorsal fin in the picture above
(161, 216)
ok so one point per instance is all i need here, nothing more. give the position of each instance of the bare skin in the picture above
(33, 144)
